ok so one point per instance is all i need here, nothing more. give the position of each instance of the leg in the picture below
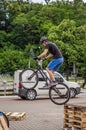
(54, 65)
(51, 74)
(52, 78)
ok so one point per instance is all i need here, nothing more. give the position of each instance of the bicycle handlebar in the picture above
(39, 59)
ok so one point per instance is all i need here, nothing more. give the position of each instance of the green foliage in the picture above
(3, 38)
(71, 40)
(11, 60)
(22, 23)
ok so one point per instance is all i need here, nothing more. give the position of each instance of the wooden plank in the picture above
(1, 128)
(8, 114)
(81, 107)
(3, 123)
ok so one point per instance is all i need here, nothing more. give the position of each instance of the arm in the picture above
(43, 53)
(49, 56)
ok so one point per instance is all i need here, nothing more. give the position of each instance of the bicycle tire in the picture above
(25, 81)
(59, 94)
(5, 118)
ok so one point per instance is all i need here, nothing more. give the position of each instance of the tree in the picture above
(19, 34)
(69, 38)
(11, 60)
(47, 1)
(22, 23)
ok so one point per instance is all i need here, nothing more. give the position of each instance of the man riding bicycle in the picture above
(55, 54)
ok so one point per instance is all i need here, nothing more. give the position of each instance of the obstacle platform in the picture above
(75, 117)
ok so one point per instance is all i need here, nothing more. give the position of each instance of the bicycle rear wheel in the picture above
(59, 94)
(28, 78)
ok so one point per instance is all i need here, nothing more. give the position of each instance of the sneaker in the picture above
(53, 83)
(46, 86)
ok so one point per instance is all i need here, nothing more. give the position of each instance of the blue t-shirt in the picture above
(54, 50)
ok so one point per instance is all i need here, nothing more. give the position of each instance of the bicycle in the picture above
(59, 94)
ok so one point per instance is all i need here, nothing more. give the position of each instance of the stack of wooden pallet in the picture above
(75, 117)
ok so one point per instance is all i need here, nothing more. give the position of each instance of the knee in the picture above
(47, 69)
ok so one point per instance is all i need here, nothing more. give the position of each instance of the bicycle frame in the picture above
(45, 77)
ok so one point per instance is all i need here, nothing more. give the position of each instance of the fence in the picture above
(6, 84)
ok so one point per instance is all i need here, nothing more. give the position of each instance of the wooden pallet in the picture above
(75, 116)
(15, 116)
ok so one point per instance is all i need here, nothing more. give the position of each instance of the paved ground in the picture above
(41, 114)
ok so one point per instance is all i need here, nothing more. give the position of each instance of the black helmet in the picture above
(43, 39)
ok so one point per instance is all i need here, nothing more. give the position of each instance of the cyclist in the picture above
(55, 54)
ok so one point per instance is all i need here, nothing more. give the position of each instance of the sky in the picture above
(42, 1)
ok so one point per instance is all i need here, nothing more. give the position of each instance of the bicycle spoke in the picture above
(28, 78)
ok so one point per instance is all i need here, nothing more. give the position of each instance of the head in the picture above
(43, 40)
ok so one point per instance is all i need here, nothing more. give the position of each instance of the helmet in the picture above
(43, 39)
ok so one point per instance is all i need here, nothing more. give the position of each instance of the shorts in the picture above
(55, 64)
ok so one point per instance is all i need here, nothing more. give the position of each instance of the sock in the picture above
(53, 80)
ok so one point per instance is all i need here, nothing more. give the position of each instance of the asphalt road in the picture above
(41, 114)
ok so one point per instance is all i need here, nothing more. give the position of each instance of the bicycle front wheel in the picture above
(28, 78)
(59, 94)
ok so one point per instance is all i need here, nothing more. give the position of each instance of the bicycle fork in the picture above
(56, 90)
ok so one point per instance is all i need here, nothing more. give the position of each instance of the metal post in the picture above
(29, 64)
(4, 84)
